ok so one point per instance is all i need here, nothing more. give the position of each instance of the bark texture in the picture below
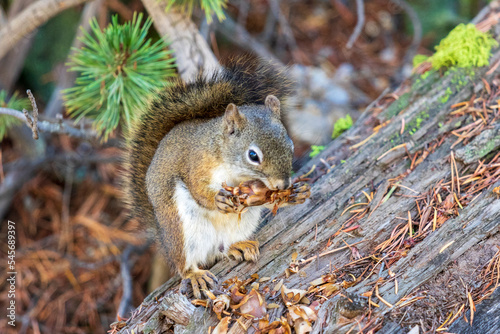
(373, 156)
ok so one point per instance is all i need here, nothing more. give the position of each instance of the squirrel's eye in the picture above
(253, 156)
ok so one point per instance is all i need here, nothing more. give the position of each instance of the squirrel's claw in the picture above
(244, 250)
(301, 191)
(193, 281)
(226, 202)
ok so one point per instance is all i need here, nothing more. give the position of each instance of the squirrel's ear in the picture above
(233, 119)
(273, 103)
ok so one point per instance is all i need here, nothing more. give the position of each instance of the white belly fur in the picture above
(202, 241)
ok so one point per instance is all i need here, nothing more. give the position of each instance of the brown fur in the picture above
(244, 81)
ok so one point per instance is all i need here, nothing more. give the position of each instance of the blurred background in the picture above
(72, 233)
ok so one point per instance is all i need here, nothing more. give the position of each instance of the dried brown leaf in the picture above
(292, 296)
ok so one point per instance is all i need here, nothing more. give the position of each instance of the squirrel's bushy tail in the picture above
(243, 81)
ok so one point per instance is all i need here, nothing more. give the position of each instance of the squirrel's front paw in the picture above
(244, 250)
(226, 202)
(300, 192)
(195, 280)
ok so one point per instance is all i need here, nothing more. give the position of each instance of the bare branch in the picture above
(14, 180)
(120, 8)
(192, 52)
(242, 38)
(243, 13)
(126, 265)
(30, 19)
(53, 126)
(14, 113)
(360, 8)
(269, 28)
(417, 33)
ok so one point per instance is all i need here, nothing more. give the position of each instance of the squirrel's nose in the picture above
(283, 184)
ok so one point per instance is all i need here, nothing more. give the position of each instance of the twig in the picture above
(90, 265)
(417, 34)
(268, 28)
(32, 123)
(14, 180)
(67, 231)
(53, 126)
(287, 30)
(29, 19)
(329, 252)
(125, 268)
(360, 8)
(242, 38)
(120, 8)
(243, 12)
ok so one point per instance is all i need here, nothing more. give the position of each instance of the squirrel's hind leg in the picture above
(247, 250)
(194, 280)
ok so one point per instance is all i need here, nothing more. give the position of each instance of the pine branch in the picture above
(119, 67)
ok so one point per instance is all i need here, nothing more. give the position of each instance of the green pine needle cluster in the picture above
(210, 7)
(119, 67)
(341, 125)
(15, 103)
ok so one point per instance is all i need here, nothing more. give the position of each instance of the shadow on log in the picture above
(409, 198)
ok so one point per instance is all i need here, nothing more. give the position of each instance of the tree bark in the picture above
(12, 64)
(192, 53)
(29, 19)
(400, 151)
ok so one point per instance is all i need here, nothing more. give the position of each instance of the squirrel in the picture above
(224, 127)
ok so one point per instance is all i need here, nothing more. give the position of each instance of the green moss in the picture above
(446, 96)
(397, 106)
(465, 46)
(341, 125)
(415, 124)
(316, 150)
(460, 77)
(425, 75)
(490, 146)
(419, 59)
(424, 83)
(395, 139)
(473, 153)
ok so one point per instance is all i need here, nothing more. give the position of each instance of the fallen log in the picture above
(401, 229)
